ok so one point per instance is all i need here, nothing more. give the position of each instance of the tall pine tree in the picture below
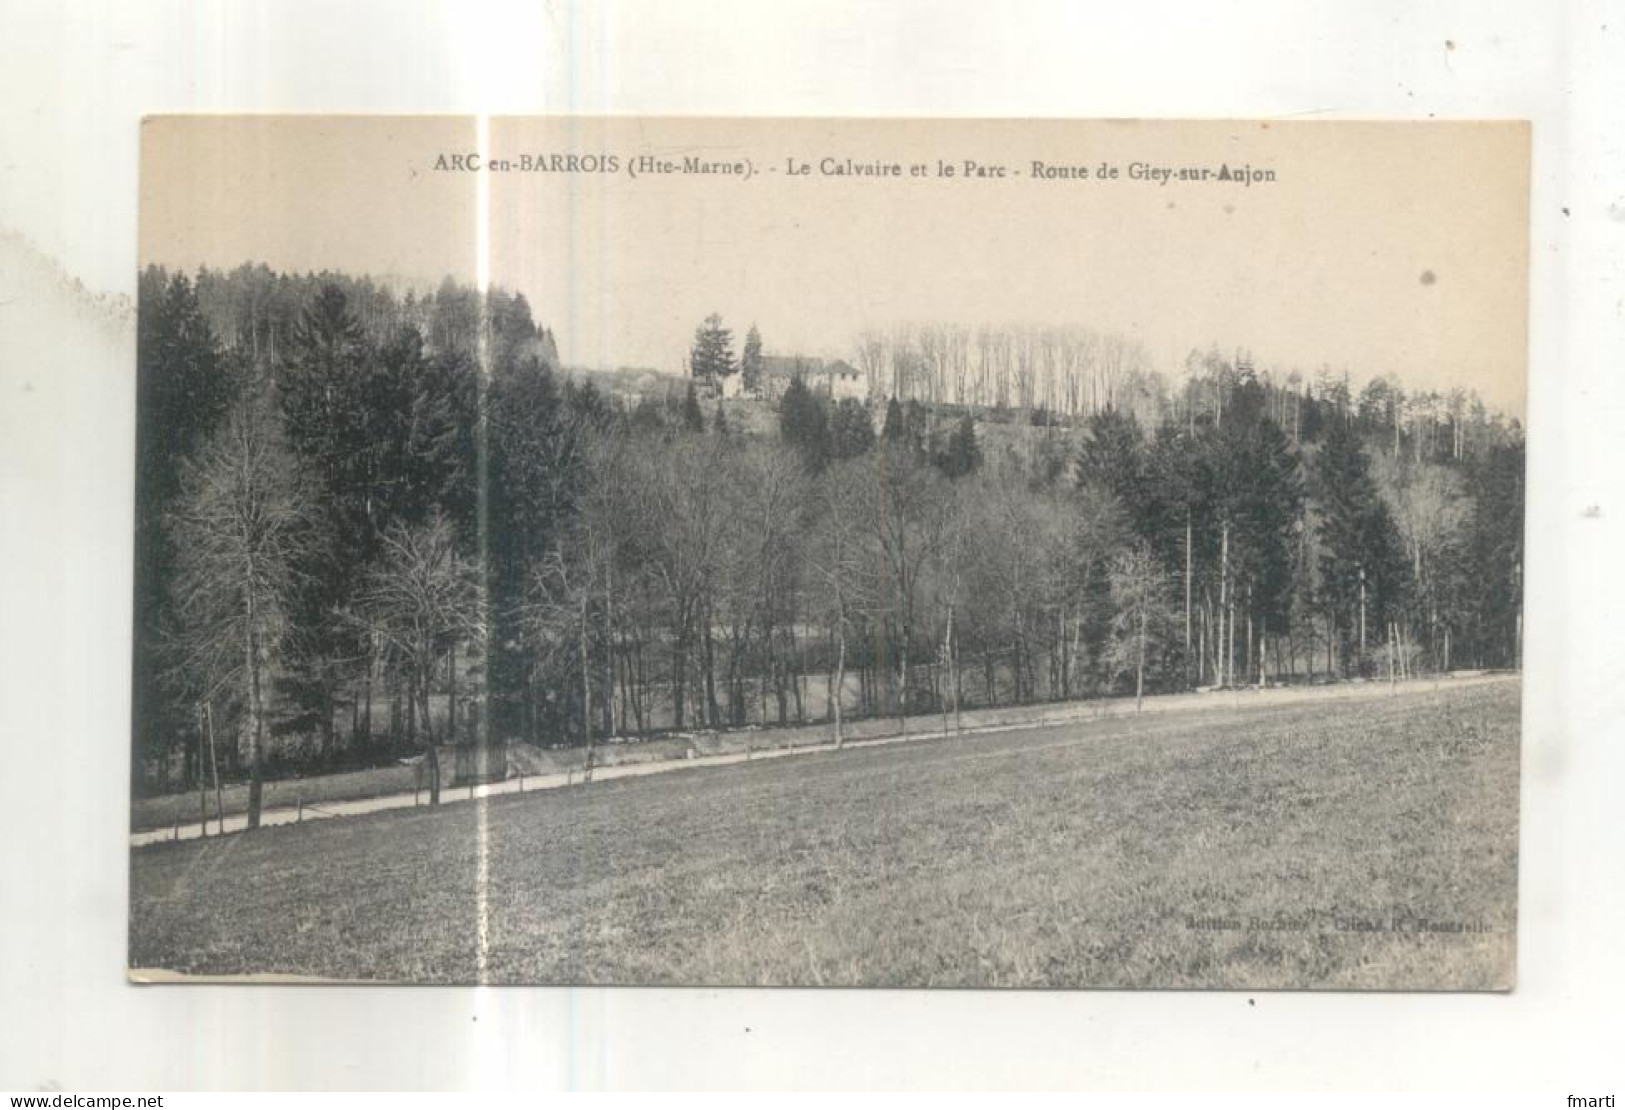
(750, 361)
(1362, 563)
(804, 425)
(712, 357)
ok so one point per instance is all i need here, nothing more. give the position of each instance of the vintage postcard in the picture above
(878, 553)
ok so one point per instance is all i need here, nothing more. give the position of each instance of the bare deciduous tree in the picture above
(241, 527)
(423, 601)
(1143, 613)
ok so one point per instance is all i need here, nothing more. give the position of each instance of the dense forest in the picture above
(368, 523)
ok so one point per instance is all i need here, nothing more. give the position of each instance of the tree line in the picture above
(367, 525)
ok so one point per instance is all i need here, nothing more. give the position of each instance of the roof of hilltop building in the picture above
(790, 365)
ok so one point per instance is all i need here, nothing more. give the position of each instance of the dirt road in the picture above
(978, 722)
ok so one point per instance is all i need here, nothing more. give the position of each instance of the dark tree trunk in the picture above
(839, 686)
(451, 699)
(256, 726)
(712, 710)
(679, 676)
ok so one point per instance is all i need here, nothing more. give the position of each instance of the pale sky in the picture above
(1379, 247)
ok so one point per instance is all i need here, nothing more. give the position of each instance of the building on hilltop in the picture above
(835, 378)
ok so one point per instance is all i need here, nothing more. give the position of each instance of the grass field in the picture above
(1368, 844)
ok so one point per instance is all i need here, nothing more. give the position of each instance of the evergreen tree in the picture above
(893, 430)
(455, 318)
(1496, 597)
(1260, 495)
(712, 356)
(533, 491)
(917, 428)
(512, 329)
(804, 425)
(386, 435)
(1111, 455)
(587, 404)
(1362, 566)
(750, 361)
(1175, 494)
(446, 439)
(962, 455)
(851, 432)
(1176, 519)
(326, 397)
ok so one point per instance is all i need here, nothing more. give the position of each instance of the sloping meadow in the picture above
(1249, 847)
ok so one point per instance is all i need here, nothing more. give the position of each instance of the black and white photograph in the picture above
(829, 553)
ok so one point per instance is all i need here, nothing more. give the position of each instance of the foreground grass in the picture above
(1368, 845)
